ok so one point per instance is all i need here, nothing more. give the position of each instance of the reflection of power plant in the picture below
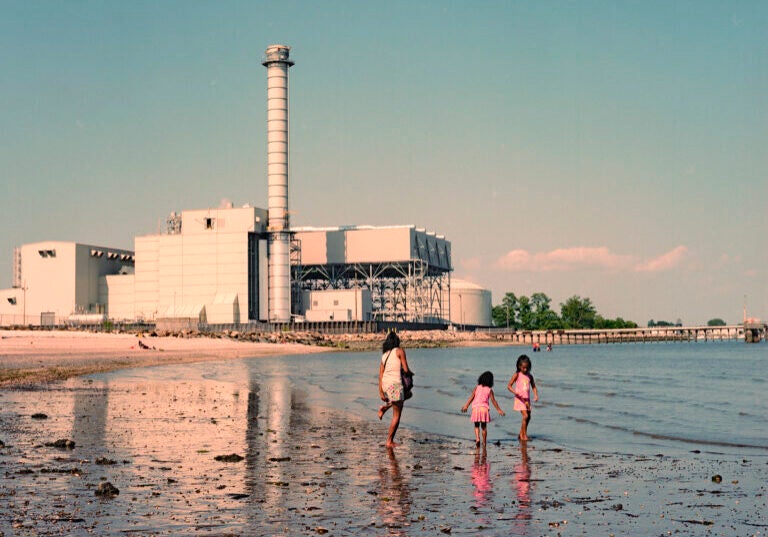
(244, 264)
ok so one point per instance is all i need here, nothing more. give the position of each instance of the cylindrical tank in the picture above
(277, 63)
(470, 304)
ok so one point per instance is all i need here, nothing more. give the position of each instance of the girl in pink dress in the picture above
(481, 412)
(521, 385)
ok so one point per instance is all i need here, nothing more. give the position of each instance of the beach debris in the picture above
(717, 478)
(321, 530)
(279, 459)
(446, 529)
(39, 416)
(2, 444)
(701, 522)
(62, 444)
(107, 490)
(232, 457)
(105, 461)
(617, 507)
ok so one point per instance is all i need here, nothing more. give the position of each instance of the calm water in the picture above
(628, 398)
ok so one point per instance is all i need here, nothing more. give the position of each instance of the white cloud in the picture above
(664, 262)
(584, 258)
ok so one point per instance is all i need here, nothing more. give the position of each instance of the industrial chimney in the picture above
(277, 63)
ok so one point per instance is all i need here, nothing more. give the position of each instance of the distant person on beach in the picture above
(521, 385)
(481, 410)
(549, 347)
(390, 383)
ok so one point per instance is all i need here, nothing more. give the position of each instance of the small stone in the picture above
(617, 507)
(39, 416)
(62, 444)
(107, 490)
(232, 457)
(717, 478)
(321, 530)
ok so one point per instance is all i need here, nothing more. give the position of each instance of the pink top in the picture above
(482, 395)
(523, 387)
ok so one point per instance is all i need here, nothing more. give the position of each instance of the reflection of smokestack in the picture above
(277, 64)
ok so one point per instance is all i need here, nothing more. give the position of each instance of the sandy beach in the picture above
(29, 357)
(189, 455)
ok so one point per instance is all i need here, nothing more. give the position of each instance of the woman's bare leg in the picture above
(383, 409)
(397, 410)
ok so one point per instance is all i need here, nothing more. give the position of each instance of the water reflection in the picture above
(394, 500)
(521, 482)
(481, 479)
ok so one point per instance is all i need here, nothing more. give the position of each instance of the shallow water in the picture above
(628, 398)
(629, 416)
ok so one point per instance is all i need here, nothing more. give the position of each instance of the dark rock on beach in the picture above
(107, 490)
(232, 457)
(62, 444)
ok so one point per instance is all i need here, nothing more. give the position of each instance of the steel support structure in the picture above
(410, 291)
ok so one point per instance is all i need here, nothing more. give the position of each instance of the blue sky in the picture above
(611, 150)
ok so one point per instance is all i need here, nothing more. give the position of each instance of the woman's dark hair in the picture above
(392, 342)
(524, 359)
(486, 379)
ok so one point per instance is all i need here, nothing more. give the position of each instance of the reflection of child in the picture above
(481, 479)
(521, 385)
(481, 413)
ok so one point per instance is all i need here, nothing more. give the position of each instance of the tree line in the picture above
(535, 313)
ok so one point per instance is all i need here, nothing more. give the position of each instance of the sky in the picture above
(609, 150)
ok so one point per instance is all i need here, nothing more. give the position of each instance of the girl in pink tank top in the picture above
(481, 414)
(521, 385)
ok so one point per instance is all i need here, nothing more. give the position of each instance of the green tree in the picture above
(504, 314)
(578, 312)
(543, 316)
(716, 322)
(525, 313)
(549, 320)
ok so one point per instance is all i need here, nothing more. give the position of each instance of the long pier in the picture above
(629, 335)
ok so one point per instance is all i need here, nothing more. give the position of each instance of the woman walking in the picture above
(391, 389)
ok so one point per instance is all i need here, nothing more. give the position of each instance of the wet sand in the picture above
(29, 357)
(301, 469)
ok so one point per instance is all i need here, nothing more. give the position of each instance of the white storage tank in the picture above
(470, 304)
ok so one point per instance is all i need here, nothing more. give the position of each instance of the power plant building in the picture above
(235, 265)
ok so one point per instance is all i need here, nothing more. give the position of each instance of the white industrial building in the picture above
(55, 281)
(236, 265)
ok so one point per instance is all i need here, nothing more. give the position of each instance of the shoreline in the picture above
(30, 357)
(35, 357)
(196, 457)
(308, 468)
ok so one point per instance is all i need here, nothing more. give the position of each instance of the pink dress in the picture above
(522, 392)
(480, 409)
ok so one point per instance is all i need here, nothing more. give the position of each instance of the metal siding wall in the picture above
(120, 296)
(50, 281)
(147, 278)
(378, 245)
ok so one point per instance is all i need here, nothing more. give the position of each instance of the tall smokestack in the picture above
(277, 63)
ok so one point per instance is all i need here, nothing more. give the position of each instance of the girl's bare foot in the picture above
(392, 444)
(382, 409)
